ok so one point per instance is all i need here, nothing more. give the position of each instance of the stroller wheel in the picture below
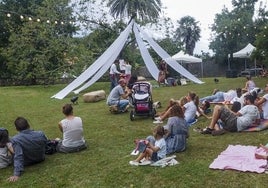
(131, 115)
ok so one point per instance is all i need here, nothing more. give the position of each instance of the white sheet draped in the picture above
(152, 68)
(99, 67)
(103, 63)
(164, 55)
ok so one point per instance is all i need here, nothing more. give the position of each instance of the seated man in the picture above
(29, 147)
(234, 122)
(118, 96)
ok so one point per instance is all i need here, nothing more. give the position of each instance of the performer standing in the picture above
(113, 74)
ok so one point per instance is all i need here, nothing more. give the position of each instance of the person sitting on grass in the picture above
(6, 149)
(29, 147)
(155, 150)
(72, 129)
(262, 103)
(176, 130)
(234, 122)
(165, 114)
(250, 84)
(118, 97)
(259, 156)
(190, 108)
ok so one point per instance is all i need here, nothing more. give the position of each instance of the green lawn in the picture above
(110, 138)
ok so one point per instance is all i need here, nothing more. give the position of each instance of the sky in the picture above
(203, 11)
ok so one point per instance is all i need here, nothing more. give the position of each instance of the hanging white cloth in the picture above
(164, 55)
(152, 68)
(99, 67)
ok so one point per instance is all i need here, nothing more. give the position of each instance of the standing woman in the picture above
(128, 68)
(162, 72)
(72, 129)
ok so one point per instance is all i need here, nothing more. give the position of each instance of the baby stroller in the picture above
(142, 100)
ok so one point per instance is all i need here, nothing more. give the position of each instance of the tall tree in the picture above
(37, 44)
(142, 9)
(188, 33)
(233, 30)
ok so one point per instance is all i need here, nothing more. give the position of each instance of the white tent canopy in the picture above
(181, 56)
(102, 64)
(245, 53)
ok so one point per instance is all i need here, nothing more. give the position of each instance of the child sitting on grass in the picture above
(154, 151)
(6, 149)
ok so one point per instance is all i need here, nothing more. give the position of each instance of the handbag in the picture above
(175, 142)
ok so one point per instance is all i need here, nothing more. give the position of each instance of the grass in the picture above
(110, 138)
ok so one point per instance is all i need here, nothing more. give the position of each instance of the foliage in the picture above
(35, 47)
(234, 29)
(140, 9)
(188, 33)
(110, 140)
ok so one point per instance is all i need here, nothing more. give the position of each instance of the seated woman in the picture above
(165, 114)
(250, 84)
(72, 129)
(176, 130)
(190, 108)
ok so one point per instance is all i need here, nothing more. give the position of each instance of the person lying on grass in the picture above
(234, 122)
(29, 147)
(154, 151)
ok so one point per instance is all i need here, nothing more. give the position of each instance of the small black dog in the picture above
(216, 80)
(74, 99)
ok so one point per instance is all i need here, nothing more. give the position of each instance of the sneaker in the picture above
(207, 131)
(218, 132)
(134, 163)
(145, 162)
(157, 122)
(157, 119)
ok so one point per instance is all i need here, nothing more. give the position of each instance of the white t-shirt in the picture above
(229, 95)
(265, 107)
(122, 64)
(128, 69)
(72, 132)
(249, 114)
(161, 143)
(251, 85)
(190, 111)
(113, 69)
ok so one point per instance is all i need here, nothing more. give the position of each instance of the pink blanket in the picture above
(241, 158)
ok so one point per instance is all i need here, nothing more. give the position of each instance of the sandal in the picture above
(207, 131)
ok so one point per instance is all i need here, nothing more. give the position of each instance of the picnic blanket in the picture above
(262, 126)
(241, 158)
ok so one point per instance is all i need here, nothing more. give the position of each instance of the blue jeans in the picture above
(218, 97)
(114, 81)
(122, 104)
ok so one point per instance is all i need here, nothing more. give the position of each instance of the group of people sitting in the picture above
(237, 110)
(28, 147)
